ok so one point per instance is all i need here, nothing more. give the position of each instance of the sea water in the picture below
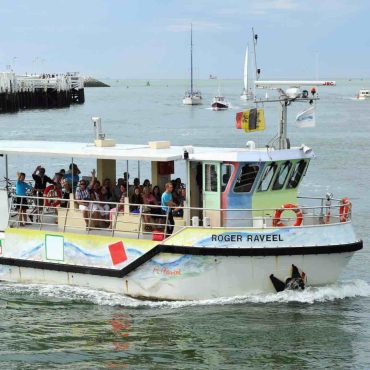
(45, 327)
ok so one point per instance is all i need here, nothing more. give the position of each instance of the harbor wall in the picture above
(41, 91)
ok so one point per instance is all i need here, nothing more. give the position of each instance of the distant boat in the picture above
(147, 83)
(212, 77)
(363, 94)
(247, 93)
(192, 97)
(219, 102)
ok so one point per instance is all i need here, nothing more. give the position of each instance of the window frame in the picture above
(280, 167)
(296, 166)
(243, 165)
(268, 165)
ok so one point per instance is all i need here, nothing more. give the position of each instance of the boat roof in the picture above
(146, 152)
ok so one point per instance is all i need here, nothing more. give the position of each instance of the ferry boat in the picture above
(244, 226)
(363, 94)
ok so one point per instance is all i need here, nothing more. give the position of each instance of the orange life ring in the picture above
(344, 209)
(299, 216)
(52, 192)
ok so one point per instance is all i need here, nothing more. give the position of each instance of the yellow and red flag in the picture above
(251, 120)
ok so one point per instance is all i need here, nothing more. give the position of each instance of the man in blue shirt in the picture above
(167, 204)
(21, 188)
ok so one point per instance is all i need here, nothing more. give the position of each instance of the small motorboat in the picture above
(363, 94)
(219, 103)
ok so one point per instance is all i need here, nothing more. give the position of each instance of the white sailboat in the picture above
(247, 93)
(192, 97)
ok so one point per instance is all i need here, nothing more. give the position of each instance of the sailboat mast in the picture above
(191, 59)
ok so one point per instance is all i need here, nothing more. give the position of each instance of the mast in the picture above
(255, 38)
(191, 59)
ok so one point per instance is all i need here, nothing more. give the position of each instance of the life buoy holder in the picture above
(52, 192)
(292, 207)
(345, 209)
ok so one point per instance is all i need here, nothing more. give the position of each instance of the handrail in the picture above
(128, 222)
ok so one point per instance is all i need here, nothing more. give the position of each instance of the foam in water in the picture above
(348, 289)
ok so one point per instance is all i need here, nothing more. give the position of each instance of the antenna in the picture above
(290, 91)
(257, 70)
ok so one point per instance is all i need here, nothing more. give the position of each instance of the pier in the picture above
(40, 91)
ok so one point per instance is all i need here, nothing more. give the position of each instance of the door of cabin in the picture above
(211, 194)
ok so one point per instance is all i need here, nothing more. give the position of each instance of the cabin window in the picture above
(211, 177)
(297, 173)
(226, 171)
(267, 177)
(282, 175)
(246, 178)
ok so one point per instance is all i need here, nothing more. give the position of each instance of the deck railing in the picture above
(118, 218)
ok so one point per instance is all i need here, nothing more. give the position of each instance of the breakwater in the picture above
(40, 91)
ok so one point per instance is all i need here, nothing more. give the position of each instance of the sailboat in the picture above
(247, 93)
(192, 97)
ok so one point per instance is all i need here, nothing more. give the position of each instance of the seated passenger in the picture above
(66, 191)
(135, 200)
(118, 190)
(131, 188)
(120, 208)
(148, 200)
(157, 194)
(146, 183)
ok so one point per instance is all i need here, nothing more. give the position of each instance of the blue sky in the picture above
(150, 39)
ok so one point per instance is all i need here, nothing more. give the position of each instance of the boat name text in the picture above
(247, 238)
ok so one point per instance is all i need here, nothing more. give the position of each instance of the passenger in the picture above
(120, 208)
(180, 199)
(117, 190)
(157, 194)
(96, 194)
(22, 204)
(58, 177)
(40, 185)
(106, 191)
(167, 204)
(83, 198)
(132, 188)
(66, 192)
(148, 200)
(73, 176)
(146, 183)
(126, 176)
(135, 200)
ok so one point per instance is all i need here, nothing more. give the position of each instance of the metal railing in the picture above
(143, 220)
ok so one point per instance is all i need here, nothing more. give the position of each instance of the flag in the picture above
(251, 120)
(306, 118)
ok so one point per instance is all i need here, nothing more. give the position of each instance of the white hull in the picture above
(225, 277)
(192, 100)
(195, 263)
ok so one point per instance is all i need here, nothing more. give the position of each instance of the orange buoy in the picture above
(344, 209)
(278, 212)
